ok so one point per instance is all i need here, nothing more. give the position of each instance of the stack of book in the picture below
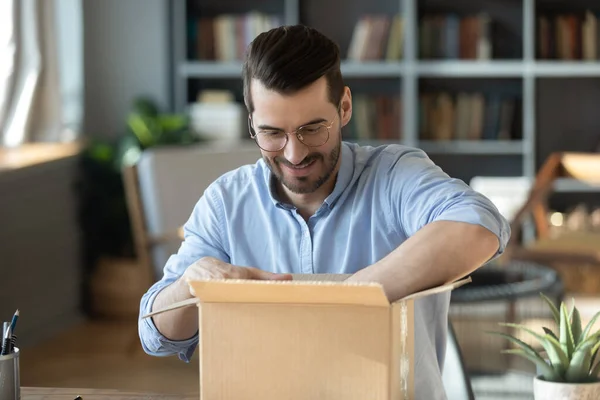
(466, 116)
(569, 36)
(226, 36)
(375, 117)
(377, 37)
(452, 37)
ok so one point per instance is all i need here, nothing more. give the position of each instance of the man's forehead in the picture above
(316, 91)
(288, 110)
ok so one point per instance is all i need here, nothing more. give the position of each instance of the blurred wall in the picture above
(125, 55)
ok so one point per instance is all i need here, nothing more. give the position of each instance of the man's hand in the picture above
(213, 268)
(183, 323)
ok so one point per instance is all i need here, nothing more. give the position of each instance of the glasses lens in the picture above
(313, 135)
(271, 141)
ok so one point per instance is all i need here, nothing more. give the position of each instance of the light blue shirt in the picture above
(382, 196)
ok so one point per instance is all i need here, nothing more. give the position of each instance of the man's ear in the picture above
(346, 106)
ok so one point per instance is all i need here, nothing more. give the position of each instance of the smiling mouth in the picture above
(301, 166)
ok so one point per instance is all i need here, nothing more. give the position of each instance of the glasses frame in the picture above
(254, 135)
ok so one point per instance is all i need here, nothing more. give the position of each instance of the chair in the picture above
(576, 254)
(558, 168)
(162, 189)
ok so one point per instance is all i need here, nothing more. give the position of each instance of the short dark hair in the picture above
(289, 58)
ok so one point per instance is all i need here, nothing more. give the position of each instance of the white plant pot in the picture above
(543, 390)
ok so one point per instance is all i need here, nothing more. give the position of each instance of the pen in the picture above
(6, 342)
(4, 331)
(13, 343)
(13, 323)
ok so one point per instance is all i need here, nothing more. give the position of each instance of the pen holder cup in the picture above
(10, 376)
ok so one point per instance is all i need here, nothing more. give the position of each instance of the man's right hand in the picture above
(213, 268)
(182, 323)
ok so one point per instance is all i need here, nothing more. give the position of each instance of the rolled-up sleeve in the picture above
(153, 342)
(203, 237)
(428, 194)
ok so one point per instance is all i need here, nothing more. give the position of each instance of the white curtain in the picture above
(41, 71)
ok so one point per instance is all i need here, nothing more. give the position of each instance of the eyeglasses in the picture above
(313, 135)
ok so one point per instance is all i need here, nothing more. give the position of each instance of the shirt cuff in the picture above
(154, 343)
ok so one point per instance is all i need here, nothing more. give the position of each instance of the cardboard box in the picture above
(315, 337)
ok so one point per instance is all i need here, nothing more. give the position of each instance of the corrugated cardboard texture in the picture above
(321, 277)
(289, 292)
(402, 352)
(294, 352)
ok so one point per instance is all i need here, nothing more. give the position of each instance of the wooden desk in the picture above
(30, 393)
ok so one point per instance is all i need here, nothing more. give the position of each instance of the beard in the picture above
(306, 184)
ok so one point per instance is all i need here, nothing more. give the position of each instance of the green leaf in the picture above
(566, 335)
(546, 370)
(594, 352)
(576, 326)
(549, 332)
(579, 366)
(101, 152)
(591, 339)
(557, 356)
(524, 346)
(141, 129)
(144, 106)
(553, 308)
(589, 326)
(596, 371)
(171, 122)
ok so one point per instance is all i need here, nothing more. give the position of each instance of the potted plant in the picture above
(567, 367)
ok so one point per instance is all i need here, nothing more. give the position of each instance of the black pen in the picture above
(6, 342)
(13, 344)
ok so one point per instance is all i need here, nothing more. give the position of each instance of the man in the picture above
(315, 204)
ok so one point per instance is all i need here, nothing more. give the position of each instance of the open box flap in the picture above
(290, 292)
(174, 306)
(303, 289)
(295, 277)
(297, 291)
(437, 290)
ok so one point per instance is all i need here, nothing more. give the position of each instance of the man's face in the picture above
(300, 168)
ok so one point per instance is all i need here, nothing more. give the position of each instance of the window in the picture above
(41, 71)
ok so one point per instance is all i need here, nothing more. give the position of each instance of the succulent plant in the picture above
(570, 354)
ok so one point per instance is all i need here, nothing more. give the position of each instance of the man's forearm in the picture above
(440, 252)
(177, 324)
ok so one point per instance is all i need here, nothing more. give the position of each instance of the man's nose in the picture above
(295, 151)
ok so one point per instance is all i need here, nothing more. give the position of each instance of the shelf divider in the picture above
(410, 90)
(476, 147)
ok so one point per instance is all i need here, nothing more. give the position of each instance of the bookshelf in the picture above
(511, 61)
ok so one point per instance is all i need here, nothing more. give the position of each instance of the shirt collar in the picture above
(343, 179)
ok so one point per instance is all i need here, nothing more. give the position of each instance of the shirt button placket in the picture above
(307, 266)
(305, 247)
